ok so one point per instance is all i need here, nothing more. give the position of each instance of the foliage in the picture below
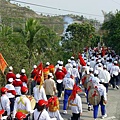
(78, 36)
(111, 29)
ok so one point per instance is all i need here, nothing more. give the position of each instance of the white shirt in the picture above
(77, 101)
(109, 66)
(105, 76)
(95, 80)
(114, 70)
(75, 73)
(21, 106)
(5, 103)
(55, 115)
(68, 83)
(44, 115)
(10, 87)
(68, 67)
(102, 91)
(39, 93)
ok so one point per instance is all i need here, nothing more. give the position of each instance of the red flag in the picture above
(3, 63)
(39, 76)
(103, 51)
(82, 62)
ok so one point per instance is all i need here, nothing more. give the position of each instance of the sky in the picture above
(91, 9)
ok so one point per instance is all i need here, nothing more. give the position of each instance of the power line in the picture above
(56, 8)
(116, 2)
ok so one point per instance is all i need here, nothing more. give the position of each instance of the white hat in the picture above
(34, 66)
(69, 60)
(10, 68)
(96, 72)
(51, 75)
(100, 65)
(18, 76)
(91, 69)
(58, 61)
(47, 63)
(74, 64)
(104, 66)
(23, 71)
(72, 57)
(10, 79)
(61, 63)
(115, 62)
(88, 63)
(60, 67)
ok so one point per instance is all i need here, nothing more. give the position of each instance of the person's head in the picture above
(10, 68)
(20, 116)
(96, 73)
(47, 63)
(17, 76)
(4, 90)
(24, 90)
(104, 67)
(50, 75)
(115, 62)
(61, 63)
(91, 70)
(41, 105)
(10, 80)
(74, 65)
(23, 71)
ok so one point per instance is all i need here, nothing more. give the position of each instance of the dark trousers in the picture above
(114, 81)
(106, 86)
(59, 88)
(75, 116)
(12, 100)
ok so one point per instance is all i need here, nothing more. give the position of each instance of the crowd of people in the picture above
(98, 67)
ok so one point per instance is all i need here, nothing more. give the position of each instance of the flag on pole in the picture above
(3, 63)
(39, 76)
(82, 61)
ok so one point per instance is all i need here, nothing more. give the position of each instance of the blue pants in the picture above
(67, 93)
(95, 107)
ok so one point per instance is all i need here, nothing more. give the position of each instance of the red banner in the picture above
(82, 61)
(3, 63)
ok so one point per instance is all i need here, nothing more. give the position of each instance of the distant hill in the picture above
(16, 15)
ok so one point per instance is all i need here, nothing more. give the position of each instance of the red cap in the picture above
(20, 115)
(24, 89)
(42, 102)
(1, 112)
(3, 89)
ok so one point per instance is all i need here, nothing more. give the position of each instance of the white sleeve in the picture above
(7, 107)
(79, 102)
(35, 94)
(104, 94)
(48, 117)
(59, 117)
(44, 95)
(28, 105)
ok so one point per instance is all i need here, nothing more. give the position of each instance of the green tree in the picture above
(77, 37)
(111, 29)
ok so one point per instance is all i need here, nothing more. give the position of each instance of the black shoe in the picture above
(89, 108)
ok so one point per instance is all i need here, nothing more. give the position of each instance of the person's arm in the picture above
(79, 102)
(7, 107)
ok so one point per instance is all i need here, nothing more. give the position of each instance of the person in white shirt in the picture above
(22, 103)
(75, 74)
(53, 108)
(11, 93)
(104, 76)
(69, 66)
(39, 92)
(68, 83)
(5, 102)
(75, 103)
(114, 74)
(40, 112)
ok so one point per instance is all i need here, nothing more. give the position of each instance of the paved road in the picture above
(113, 107)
